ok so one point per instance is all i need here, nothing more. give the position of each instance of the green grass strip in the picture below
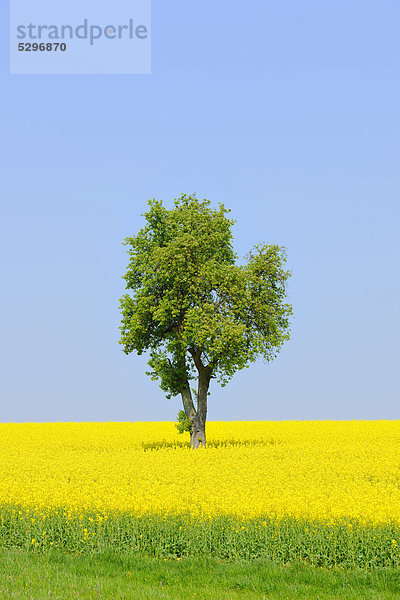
(112, 576)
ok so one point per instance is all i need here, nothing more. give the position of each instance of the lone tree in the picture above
(200, 315)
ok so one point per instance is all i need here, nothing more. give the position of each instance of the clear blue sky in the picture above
(288, 113)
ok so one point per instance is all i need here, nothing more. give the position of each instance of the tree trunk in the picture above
(188, 405)
(198, 435)
(197, 418)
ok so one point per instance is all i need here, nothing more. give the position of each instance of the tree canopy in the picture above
(197, 312)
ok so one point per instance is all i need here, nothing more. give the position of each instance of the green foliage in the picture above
(183, 424)
(187, 296)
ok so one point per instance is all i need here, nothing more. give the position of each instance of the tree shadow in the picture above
(162, 444)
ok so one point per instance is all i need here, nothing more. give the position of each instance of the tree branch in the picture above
(197, 360)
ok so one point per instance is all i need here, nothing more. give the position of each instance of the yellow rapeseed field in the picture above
(322, 470)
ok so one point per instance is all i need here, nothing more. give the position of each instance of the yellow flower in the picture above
(327, 470)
